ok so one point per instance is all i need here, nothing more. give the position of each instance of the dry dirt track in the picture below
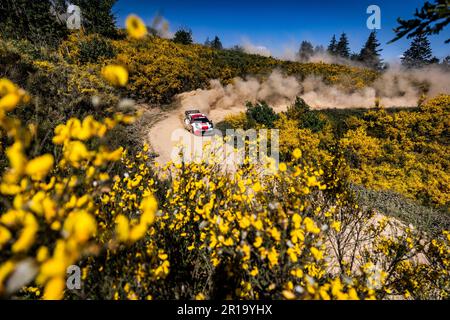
(165, 134)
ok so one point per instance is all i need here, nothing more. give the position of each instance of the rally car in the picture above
(197, 122)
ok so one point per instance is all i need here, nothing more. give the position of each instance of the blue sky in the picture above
(281, 25)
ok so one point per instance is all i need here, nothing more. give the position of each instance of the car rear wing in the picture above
(188, 112)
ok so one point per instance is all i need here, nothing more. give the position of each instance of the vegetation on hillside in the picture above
(404, 151)
(72, 194)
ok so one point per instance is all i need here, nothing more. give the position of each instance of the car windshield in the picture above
(201, 119)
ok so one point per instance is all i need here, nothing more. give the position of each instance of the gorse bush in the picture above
(138, 229)
(213, 234)
(94, 49)
(301, 111)
(405, 151)
(260, 113)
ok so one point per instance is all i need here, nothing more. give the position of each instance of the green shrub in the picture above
(261, 113)
(95, 48)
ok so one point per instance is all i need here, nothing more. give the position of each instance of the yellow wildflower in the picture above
(135, 27)
(9, 102)
(122, 228)
(39, 167)
(297, 153)
(116, 75)
(54, 289)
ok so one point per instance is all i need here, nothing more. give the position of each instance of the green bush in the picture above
(261, 113)
(95, 48)
(308, 119)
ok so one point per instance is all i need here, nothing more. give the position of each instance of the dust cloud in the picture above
(394, 88)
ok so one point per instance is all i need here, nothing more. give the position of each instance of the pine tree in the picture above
(354, 56)
(237, 48)
(216, 43)
(31, 20)
(332, 46)
(319, 49)
(342, 48)
(183, 36)
(306, 51)
(370, 53)
(207, 42)
(431, 19)
(97, 16)
(419, 53)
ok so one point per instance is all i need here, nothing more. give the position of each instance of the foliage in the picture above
(306, 51)
(216, 43)
(342, 47)
(32, 20)
(97, 16)
(418, 54)
(301, 111)
(94, 48)
(406, 152)
(183, 36)
(370, 54)
(224, 235)
(260, 113)
(332, 46)
(431, 19)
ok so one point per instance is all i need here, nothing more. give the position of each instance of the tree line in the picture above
(419, 53)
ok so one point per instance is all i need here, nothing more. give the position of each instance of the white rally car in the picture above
(197, 122)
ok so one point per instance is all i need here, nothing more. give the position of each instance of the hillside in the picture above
(80, 187)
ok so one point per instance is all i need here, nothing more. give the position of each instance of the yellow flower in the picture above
(254, 272)
(282, 167)
(122, 228)
(276, 235)
(5, 235)
(138, 231)
(39, 167)
(54, 289)
(257, 187)
(116, 75)
(6, 86)
(42, 254)
(273, 257)
(244, 223)
(310, 225)
(200, 296)
(288, 294)
(9, 102)
(148, 207)
(27, 234)
(54, 267)
(76, 151)
(297, 153)
(135, 27)
(258, 242)
(5, 269)
(318, 255)
(336, 225)
(81, 225)
(297, 272)
(16, 157)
